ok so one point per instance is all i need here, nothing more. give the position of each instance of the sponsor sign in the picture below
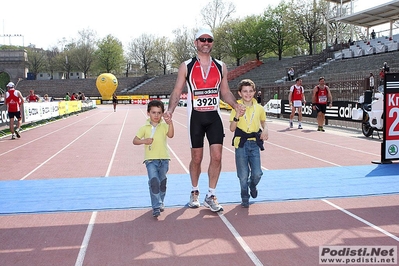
(341, 110)
(390, 150)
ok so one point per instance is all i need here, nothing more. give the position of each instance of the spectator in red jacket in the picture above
(32, 97)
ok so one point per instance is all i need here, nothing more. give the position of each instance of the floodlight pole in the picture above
(12, 36)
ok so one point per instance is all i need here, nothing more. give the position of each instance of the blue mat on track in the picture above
(128, 192)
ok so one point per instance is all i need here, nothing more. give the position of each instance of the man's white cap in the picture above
(10, 85)
(203, 32)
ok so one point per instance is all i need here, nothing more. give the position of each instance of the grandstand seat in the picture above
(392, 46)
(357, 51)
(338, 55)
(380, 48)
(368, 50)
(347, 53)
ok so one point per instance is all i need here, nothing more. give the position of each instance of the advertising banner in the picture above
(390, 145)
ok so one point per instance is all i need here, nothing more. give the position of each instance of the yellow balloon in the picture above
(106, 84)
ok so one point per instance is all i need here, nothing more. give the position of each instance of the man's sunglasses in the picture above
(209, 40)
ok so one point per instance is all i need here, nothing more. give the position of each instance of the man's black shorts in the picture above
(321, 107)
(14, 114)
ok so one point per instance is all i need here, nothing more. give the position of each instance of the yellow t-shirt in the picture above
(250, 121)
(158, 149)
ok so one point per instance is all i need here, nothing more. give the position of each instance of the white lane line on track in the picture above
(335, 132)
(111, 162)
(29, 142)
(86, 240)
(90, 226)
(241, 241)
(362, 220)
(231, 228)
(304, 154)
(332, 131)
(61, 150)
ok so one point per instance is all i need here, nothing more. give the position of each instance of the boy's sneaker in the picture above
(13, 136)
(194, 202)
(253, 193)
(156, 213)
(17, 132)
(300, 127)
(212, 203)
(245, 203)
(291, 124)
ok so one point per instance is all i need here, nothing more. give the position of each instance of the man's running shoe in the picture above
(320, 129)
(212, 203)
(194, 202)
(162, 208)
(299, 127)
(291, 124)
(17, 133)
(13, 136)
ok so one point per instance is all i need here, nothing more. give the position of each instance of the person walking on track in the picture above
(14, 100)
(250, 131)
(206, 80)
(296, 98)
(156, 157)
(320, 99)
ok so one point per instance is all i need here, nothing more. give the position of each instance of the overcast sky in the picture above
(45, 22)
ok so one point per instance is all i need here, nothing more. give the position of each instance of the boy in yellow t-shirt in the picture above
(156, 156)
(250, 131)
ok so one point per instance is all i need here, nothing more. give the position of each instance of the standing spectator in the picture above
(373, 34)
(156, 157)
(249, 133)
(296, 98)
(114, 101)
(386, 68)
(67, 97)
(291, 74)
(320, 98)
(32, 97)
(206, 79)
(14, 100)
(371, 81)
(382, 76)
(259, 97)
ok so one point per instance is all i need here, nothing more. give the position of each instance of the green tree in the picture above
(84, 53)
(182, 47)
(142, 51)
(52, 64)
(309, 18)
(110, 55)
(254, 32)
(163, 56)
(37, 59)
(231, 40)
(277, 28)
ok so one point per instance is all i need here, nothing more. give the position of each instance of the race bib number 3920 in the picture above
(206, 99)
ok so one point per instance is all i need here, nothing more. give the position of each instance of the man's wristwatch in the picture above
(236, 119)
